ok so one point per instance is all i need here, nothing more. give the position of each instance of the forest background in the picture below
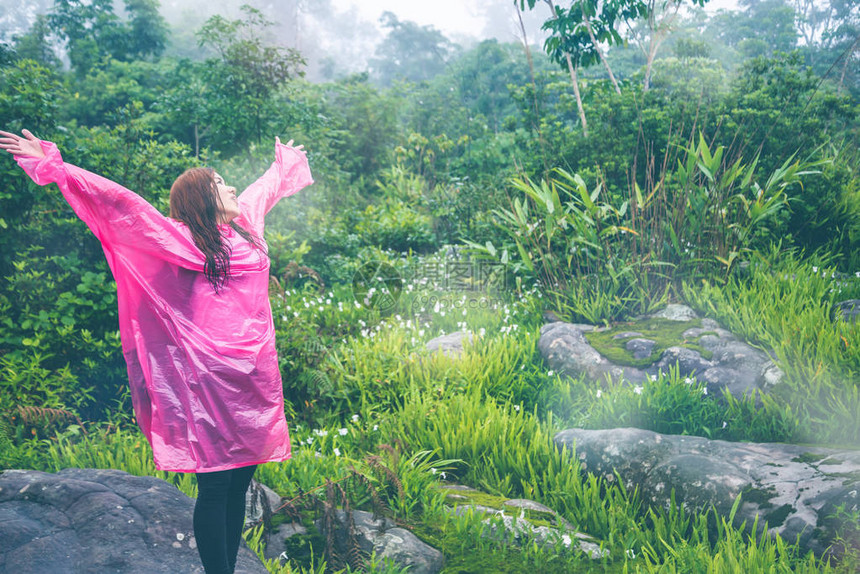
(638, 153)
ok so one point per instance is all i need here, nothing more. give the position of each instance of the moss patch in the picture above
(778, 516)
(849, 478)
(663, 332)
(474, 497)
(809, 457)
(758, 496)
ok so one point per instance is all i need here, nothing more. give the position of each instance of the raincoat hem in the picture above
(226, 466)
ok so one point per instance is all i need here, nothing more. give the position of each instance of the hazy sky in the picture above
(468, 17)
(450, 16)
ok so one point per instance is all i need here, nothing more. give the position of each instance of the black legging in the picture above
(219, 516)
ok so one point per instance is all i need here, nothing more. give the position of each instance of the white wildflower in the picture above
(637, 389)
(355, 418)
(336, 451)
(599, 393)
(343, 432)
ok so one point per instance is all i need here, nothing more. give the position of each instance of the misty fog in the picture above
(334, 41)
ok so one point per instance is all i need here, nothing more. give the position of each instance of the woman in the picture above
(195, 322)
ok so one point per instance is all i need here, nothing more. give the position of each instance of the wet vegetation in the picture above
(706, 158)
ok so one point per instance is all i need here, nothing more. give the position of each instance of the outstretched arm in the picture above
(116, 215)
(287, 175)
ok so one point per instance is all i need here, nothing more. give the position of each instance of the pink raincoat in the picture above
(202, 367)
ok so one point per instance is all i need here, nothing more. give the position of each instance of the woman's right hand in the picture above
(28, 145)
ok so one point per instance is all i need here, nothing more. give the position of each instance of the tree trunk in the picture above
(575, 83)
(573, 78)
(600, 52)
(196, 142)
(657, 38)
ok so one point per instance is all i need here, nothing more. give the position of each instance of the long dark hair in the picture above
(194, 201)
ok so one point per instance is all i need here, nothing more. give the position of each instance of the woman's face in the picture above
(228, 205)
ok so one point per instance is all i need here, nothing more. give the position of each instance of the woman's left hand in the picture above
(29, 145)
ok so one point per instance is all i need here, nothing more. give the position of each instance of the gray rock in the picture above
(641, 348)
(567, 351)
(450, 344)
(737, 366)
(98, 521)
(734, 365)
(675, 312)
(260, 502)
(795, 489)
(383, 537)
(503, 525)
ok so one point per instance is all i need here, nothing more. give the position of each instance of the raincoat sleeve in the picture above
(287, 175)
(116, 215)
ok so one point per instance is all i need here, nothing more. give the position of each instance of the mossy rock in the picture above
(664, 332)
(461, 497)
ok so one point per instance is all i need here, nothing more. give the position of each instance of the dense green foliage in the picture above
(723, 174)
